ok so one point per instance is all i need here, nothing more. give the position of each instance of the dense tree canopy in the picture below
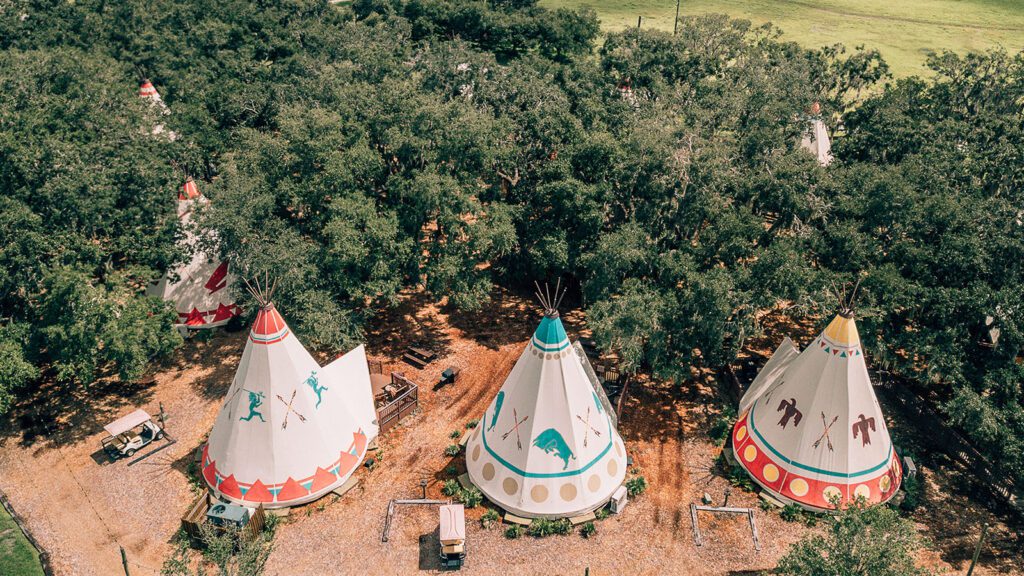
(356, 151)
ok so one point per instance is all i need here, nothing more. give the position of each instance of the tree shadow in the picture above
(510, 317)
(414, 321)
(56, 415)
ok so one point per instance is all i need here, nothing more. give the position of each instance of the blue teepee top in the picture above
(550, 335)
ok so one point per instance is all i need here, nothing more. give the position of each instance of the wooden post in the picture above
(675, 23)
(124, 561)
(638, 19)
(977, 548)
(696, 527)
(622, 396)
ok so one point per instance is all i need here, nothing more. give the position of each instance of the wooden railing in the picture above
(408, 401)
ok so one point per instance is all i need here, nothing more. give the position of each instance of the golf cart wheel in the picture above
(130, 453)
(159, 436)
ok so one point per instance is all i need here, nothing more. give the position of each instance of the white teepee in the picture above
(810, 428)
(148, 92)
(815, 139)
(200, 292)
(289, 431)
(546, 446)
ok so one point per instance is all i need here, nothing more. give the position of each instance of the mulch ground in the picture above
(82, 508)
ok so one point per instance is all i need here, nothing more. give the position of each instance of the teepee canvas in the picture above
(199, 287)
(815, 139)
(810, 428)
(288, 431)
(148, 92)
(546, 446)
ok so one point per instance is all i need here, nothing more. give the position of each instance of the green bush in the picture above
(471, 497)
(588, 530)
(636, 486)
(723, 424)
(858, 541)
(451, 470)
(913, 491)
(602, 512)
(791, 513)
(472, 424)
(514, 531)
(451, 488)
(739, 478)
(542, 527)
(452, 450)
(455, 435)
(490, 518)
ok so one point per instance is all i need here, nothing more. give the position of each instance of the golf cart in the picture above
(130, 433)
(453, 536)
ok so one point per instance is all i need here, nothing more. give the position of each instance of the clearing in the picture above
(58, 481)
(902, 31)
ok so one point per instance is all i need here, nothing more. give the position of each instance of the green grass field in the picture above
(903, 30)
(17, 556)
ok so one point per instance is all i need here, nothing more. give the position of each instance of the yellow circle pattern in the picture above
(749, 453)
(741, 433)
(862, 491)
(799, 487)
(770, 472)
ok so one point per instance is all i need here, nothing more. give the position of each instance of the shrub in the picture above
(472, 424)
(602, 513)
(723, 424)
(452, 450)
(913, 492)
(451, 488)
(791, 513)
(858, 541)
(588, 530)
(739, 478)
(514, 531)
(451, 470)
(636, 486)
(471, 497)
(542, 527)
(455, 435)
(490, 518)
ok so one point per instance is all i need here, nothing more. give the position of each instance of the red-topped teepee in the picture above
(289, 430)
(199, 292)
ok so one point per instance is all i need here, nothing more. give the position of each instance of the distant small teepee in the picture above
(201, 292)
(547, 446)
(148, 92)
(289, 431)
(815, 139)
(811, 430)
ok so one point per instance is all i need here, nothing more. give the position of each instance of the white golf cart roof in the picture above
(126, 423)
(453, 524)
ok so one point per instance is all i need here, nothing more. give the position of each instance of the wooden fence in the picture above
(390, 414)
(196, 516)
(44, 557)
(996, 489)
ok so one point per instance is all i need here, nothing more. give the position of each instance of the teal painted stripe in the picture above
(555, 348)
(750, 422)
(525, 474)
(269, 338)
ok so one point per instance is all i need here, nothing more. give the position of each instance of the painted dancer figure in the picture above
(862, 426)
(788, 409)
(314, 383)
(255, 401)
